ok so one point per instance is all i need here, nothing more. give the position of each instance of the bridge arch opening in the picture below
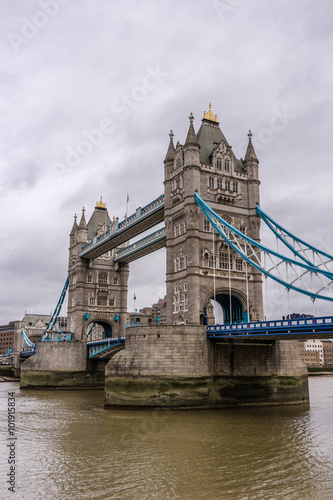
(224, 307)
(100, 330)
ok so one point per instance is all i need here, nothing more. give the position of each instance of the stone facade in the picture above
(207, 164)
(97, 291)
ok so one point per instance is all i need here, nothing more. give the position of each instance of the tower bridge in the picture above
(212, 216)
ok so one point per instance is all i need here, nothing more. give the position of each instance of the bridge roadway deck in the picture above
(292, 329)
(142, 220)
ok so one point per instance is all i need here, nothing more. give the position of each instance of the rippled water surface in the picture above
(69, 447)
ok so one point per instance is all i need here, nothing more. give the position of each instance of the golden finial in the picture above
(100, 204)
(209, 115)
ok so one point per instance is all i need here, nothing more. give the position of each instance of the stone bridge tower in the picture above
(197, 259)
(97, 290)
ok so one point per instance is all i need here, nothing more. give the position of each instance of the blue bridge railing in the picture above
(301, 327)
(98, 348)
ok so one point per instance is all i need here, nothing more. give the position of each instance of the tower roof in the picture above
(99, 217)
(209, 135)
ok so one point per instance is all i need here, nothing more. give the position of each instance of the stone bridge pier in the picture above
(177, 367)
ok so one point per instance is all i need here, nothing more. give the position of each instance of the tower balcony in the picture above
(225, 196)
(177, 195)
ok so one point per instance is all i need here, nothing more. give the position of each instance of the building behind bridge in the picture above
(7, 337)
(316, 352)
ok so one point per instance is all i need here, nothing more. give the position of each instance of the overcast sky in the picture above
(121, 74)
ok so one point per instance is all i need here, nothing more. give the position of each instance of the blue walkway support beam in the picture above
(142, 220)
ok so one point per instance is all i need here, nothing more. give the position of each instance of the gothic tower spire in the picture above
(171, 149)
(191, 138)
(250, 152)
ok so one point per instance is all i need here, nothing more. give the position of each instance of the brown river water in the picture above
(67, 446)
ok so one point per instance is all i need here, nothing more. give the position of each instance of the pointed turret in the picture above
(74, 228)
(171, 149)
(251, 164)
(191, 180)
(83, 224)
(82, 229)
(250, 153)
(191, 139)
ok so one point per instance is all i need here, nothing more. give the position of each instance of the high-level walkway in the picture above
(143, 247)
(142, 220)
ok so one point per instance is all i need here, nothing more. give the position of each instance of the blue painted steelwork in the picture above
(29, 343)
(26, 339)
(51, 323)
(97, 347)
(255, 250)
(302, 327)
(142, 247)
(273, 225)
(140, 221)
(27, 354)
(90, 329)
(56, 312)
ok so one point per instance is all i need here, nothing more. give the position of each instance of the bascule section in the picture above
(97, 292)
(200, 264)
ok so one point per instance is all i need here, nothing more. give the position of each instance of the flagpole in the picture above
(126, 206)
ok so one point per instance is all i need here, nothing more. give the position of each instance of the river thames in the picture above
(67, 446)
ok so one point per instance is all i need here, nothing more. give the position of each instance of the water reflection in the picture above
(71, 448)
